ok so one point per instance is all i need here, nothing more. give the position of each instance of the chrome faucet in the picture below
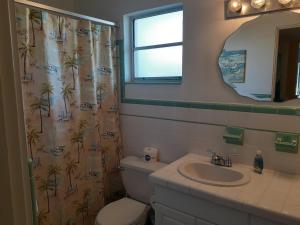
(219, 160)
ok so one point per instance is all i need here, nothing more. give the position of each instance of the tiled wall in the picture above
(162, 127)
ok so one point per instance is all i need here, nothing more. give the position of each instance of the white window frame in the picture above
(298, 82)
(130, 45)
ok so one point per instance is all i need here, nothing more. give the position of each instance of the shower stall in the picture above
(69, 68)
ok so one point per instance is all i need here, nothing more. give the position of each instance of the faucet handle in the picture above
(214, 157)
(228, 161)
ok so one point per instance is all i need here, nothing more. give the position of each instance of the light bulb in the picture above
(235, 5)
(284, 2)
(246, 8)
(257, 4)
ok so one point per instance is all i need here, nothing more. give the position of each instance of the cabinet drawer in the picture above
(202, 222)
(201, 208)
(260, 221)
(167, 216)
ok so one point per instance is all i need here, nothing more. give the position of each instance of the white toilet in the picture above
(132, 210)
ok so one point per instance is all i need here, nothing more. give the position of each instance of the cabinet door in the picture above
(260, 221)
(202, 222)
(167, 216)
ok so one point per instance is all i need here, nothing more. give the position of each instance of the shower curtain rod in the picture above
(64, 12)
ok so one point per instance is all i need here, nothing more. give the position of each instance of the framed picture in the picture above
(233, 66)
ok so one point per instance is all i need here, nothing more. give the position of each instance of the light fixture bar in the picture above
(255, 7)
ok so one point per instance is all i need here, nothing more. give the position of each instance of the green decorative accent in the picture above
(287, 142)
(157, 80)
(290, 111)
(240, 108)
(33, 196)
(287, 111)
(263, 96)
(250, 108)
(234, 135)
(263, 109)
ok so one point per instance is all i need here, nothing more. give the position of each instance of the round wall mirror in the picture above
(261, 60)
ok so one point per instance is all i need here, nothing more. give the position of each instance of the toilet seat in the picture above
(125, 211)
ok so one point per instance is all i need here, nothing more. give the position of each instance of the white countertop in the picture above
(272, 195)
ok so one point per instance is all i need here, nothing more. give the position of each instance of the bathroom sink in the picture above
(213, 175)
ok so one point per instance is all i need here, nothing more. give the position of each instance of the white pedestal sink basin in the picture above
(213, 175)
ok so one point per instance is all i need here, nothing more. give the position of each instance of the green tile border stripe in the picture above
(202, 123)
(289, 111)
(251, 108)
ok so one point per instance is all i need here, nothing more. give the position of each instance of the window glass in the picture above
(158, 62)
(157, 30)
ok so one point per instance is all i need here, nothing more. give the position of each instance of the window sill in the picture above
(146, 82)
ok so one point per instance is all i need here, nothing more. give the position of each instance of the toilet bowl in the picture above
(131, 210)
(125, 211)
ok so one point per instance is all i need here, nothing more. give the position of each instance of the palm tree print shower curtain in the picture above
(69, 83)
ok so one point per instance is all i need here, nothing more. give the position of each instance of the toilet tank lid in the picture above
(133, 162)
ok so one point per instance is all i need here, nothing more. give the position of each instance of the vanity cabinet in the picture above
(202, 222)
(259, 221)
(167, 216)
(195, 210)
(178, 200)
(176, 208)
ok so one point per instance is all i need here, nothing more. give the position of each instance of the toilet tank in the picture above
(135, 175)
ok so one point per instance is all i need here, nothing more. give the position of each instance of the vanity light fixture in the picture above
(242, 8)
(235, 5)
(285, 2)
(257, 4)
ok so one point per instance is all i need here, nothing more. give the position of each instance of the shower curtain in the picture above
(69, 71)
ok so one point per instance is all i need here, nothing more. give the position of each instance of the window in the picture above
(157, 45)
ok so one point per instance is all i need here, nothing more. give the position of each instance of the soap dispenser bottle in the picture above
(258, 162)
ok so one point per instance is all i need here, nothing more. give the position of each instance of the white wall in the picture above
(205, 32)
(61, 4)
(114, 10)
